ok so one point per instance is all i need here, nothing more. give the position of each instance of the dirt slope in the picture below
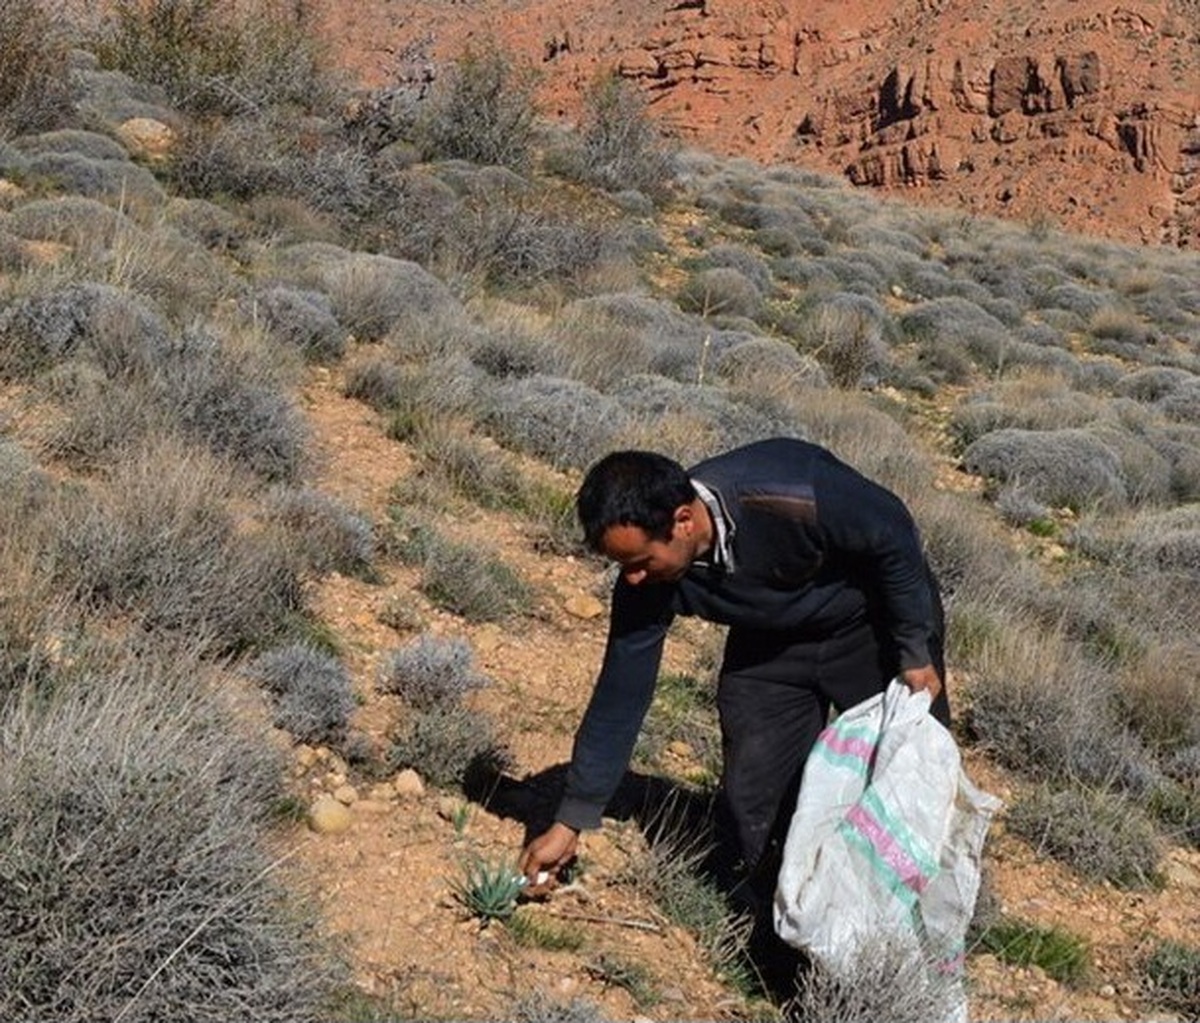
(386, 881)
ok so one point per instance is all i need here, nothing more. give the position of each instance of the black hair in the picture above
(632, 488)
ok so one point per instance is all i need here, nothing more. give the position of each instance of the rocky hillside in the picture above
(1083, 114)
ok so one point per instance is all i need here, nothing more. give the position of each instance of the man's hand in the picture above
(924, 678)
(552, 850)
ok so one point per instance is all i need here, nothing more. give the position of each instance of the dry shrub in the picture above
(217, 56)
(618, 147)
(702, 420)
(1035, 399)
(134, 846)
(769, 367)
(1160, 694)
(1117, 324)
(158, 542)
(371, 295)
(327, 535)
(35, 85)
(1039, 706)
(311, 688)
(1103, 835)
(481, 109)
(890, 980)
(721, 291)
(846, 333)
(450, 746)
(473, 583)
(225, 395)
(603, 339)
(563, 421)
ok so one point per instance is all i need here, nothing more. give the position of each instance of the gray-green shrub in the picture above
(945, 325)
(480, 109)
(1071, 467)
(890, 980)
(563, 421)
(1039, 705)
(847, 334)
(1183, 403)
(303, 320)
(112, 181)
(327, 535)
(230, 400)
(721, 291)
(118, 330)
(431, 671)
(448, 745)
(89, 144)
(311, 689)
(617, 146)
(695, 421)
(371, 294)
(1172, 976)
(472, 583)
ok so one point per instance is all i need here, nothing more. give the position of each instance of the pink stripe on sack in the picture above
(952, 964)
(887, 848)
(847, 746)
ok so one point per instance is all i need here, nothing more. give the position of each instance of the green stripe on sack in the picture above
(883, 870)
(848, 747)
(900, 832)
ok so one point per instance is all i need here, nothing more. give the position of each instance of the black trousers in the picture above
(774, 697)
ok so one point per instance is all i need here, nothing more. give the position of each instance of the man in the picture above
(820, 576)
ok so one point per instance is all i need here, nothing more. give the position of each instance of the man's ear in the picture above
(685, 520)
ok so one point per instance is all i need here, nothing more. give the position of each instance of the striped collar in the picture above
(721, 555)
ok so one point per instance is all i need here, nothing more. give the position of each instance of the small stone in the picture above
(583, 605)
(306, 756)
(1182, 875)
(147, 138)
(327, 816)
(346, 794)
(382, 792)
(487, 639)
(1108, 991)
(408, 784)
(372, 806)
(681, 749)
(10, 192)
(334, 780)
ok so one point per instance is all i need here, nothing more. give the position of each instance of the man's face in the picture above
(644, 560)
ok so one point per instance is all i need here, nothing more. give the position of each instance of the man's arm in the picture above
(606, 736)
(872, 527)
(624, 688)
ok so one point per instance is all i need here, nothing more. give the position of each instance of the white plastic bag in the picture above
(885, 842)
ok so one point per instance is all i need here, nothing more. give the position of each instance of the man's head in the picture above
(640, 509)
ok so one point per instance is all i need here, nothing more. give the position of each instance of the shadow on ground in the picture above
(664, 811)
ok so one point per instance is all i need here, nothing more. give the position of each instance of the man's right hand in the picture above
(552, 850)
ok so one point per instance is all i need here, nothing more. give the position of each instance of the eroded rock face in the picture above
(1080, 110)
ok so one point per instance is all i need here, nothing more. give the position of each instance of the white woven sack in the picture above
(885, 841)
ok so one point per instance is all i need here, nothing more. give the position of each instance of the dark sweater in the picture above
(817, 549)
